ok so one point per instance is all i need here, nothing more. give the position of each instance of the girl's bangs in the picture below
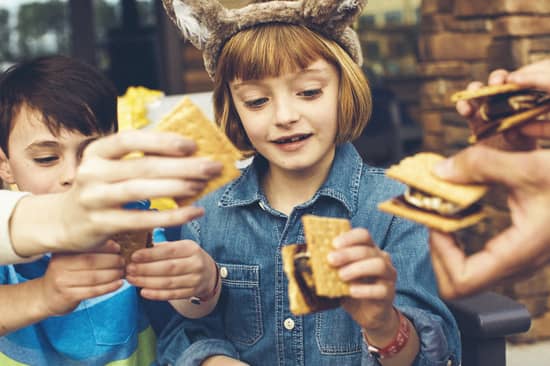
(269, 51)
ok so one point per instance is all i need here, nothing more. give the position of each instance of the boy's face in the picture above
(291, 119)
(40, 162)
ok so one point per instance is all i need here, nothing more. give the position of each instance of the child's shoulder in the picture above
(375, 180)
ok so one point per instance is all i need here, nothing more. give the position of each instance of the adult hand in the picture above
(523, 138)
(91, 211)
(520, 249)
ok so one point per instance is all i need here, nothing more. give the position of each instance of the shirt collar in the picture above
(342, 183)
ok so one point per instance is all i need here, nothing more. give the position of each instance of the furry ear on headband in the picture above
(208, 25)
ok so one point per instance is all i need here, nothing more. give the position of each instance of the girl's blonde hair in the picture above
(273, 49)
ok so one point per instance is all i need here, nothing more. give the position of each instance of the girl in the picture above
(291, 93)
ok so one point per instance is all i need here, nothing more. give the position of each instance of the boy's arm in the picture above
(21, 306)
(69, 279)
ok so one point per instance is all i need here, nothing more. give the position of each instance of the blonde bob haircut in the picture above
(273, 49)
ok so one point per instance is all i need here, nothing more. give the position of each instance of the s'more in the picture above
(313, 284)
(188, 120)
(502, 107)
(431, 201)
(131, 241)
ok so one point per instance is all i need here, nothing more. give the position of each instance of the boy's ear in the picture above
(5, 169)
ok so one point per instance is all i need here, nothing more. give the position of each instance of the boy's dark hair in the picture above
(69, 94)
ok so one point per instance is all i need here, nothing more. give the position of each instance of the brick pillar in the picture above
(462, 41)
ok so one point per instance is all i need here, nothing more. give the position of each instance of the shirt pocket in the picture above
(337, 333)
(113, 317)
(242, 303)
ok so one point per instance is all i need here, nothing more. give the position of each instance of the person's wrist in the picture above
(394, 346)
(384, 333)
(212, 288)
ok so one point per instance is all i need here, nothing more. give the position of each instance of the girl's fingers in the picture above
(368, 269)
(166, 251)
(168, 267)
(165, 295)
(345, 255)
(187, 281)
(380, 290)
(357, 236)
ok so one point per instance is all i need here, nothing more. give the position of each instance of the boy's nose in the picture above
(68, 174)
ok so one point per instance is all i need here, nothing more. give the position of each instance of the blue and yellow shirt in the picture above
(112, 329)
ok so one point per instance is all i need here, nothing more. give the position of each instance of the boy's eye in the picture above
(310, 93)
(256, 103)
(46, 159)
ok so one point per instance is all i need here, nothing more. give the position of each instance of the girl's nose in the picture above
(285, 113)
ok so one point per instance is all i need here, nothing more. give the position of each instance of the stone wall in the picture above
(461, 41)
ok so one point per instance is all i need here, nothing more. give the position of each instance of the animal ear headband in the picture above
(208, 25)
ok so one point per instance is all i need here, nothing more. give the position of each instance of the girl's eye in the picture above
(46, 160)
(256, 103)
(310, 93)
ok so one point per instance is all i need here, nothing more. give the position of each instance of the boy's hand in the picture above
(71, 278)
(172, 270)
(371, 276)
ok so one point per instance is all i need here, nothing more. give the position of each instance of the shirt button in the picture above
(289, 324)
(261, 204)
(223, 272)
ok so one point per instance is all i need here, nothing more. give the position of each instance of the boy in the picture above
(65, 308)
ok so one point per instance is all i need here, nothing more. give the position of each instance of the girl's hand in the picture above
(71, 278)
(172, 270)
(371, 276)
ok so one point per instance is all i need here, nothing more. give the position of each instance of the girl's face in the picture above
(38, 161)
(291, 119)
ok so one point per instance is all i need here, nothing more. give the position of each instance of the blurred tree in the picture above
(5, 53)
(105, 18)
(43, 28)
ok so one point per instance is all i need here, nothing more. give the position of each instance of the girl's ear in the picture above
(5, 169)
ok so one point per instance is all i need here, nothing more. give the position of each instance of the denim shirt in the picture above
(252, 321)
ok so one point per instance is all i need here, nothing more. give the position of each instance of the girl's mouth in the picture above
(291, 139)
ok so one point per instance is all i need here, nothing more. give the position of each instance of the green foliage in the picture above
(37, 19)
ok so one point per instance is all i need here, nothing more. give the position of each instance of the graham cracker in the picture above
(432, 220)
(486, 91)
(188, 120)
(131, 241)
(416, 171)
(319, 233)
